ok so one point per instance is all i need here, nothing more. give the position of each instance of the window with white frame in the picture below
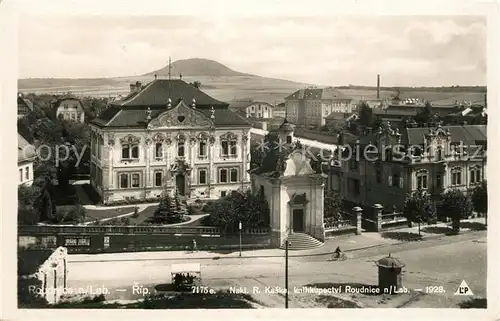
(422, 178)
(130, 151)
(158, 150)
(456, 176)
(129, 180)
(158, 179)
(180, 149)
(27, 173)
(202, 176)
(475, 175)
(228, 175)
(202, 149)
(20, 174)
(229, 145)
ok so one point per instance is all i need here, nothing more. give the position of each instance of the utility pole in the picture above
(239, 225)
(286, 273)
(169, 68)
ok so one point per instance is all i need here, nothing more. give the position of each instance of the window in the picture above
(223, 175)
(78, 115)
(456, 176)
(158, 150)
(27, 173)
(475, 175)
(439, 180)
(130, 151)
(388, 154)
(180, 149)
(439, 154)
(202, 150)
(73, 116)
(202, 176)
(135, 180)
(158, 179)
(422, 180)
(288, 139)
(223, 193)
(233, 151)
(378, 175)
(225, 148)
(234, 175)
(124, 180)
(129, 180)
(395, 180)
(21, 174)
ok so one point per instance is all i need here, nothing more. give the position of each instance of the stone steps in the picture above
(302, 241)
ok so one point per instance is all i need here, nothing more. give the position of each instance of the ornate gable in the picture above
(181, 116)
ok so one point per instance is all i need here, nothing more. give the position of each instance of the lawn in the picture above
(92, 215)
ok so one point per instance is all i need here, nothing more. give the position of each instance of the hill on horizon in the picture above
(197, 67)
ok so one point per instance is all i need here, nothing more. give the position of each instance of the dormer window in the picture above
(180, 149)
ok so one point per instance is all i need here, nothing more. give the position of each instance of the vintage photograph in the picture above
(252, 162)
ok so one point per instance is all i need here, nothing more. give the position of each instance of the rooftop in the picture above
(328, 93)
(25, 151)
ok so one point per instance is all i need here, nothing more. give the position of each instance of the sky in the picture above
(323, 50)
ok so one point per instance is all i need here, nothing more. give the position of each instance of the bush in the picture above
(136, 212)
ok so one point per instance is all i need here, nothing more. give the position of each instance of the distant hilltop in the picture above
(196, 67)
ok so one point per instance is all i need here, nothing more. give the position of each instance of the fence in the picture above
(347, 225)
(99, 239)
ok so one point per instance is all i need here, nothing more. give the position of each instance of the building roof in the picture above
(468, 134)
(394, 112)
(337, 116)
(135, 117)
(329, 93)
(159, 91)
(23, 103)
(242, 104)
(25, 151)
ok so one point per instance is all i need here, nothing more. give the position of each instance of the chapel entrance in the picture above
(298, 220)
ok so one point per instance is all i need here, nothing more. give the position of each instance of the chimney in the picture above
(156, 76)
(378, 86)
(180, 76)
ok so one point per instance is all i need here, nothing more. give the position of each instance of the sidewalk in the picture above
(346, 243)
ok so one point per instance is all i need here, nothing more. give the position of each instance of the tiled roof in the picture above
(132, 110)
(318, 93)
(129, 117)
(468, 134)
(25, 151)
(157, 93)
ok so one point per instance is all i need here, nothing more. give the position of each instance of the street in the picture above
(430, 263)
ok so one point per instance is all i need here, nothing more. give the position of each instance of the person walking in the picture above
(195, 248)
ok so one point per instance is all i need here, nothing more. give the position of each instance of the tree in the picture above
(424, 116)
(480, 199)
(256, 156)
(164, 210)
(455, 205)
(365, 114)
(179, 210)
(332, 203)
(196, 84)
(27, 213)
(418, 207)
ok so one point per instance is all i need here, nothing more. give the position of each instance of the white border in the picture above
(12, 12)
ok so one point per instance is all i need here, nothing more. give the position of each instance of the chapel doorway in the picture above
(298, 220)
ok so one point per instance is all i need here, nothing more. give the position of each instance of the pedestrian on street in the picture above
(195, 249)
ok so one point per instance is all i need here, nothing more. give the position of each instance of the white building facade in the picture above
(198, 152)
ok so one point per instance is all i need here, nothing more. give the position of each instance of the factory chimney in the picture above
(378, 86)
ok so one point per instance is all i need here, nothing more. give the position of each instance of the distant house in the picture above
(252, 109)
(309, 107)
(279, 110)
(69, 108)
(24, 106)
(339, 119)
(26, 155)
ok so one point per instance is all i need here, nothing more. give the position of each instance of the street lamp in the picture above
(286, 273)
(239, 225)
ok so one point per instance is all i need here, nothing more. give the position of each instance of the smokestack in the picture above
(378, 86)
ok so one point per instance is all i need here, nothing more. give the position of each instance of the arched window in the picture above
(456, 176)
(229, 145)
(159, 150)
(180, 149)
(422, 179)
(475, 174)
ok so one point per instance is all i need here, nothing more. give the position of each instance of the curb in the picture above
(215, 257)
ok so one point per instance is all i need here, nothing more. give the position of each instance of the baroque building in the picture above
(384, 166)
(168, 136)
